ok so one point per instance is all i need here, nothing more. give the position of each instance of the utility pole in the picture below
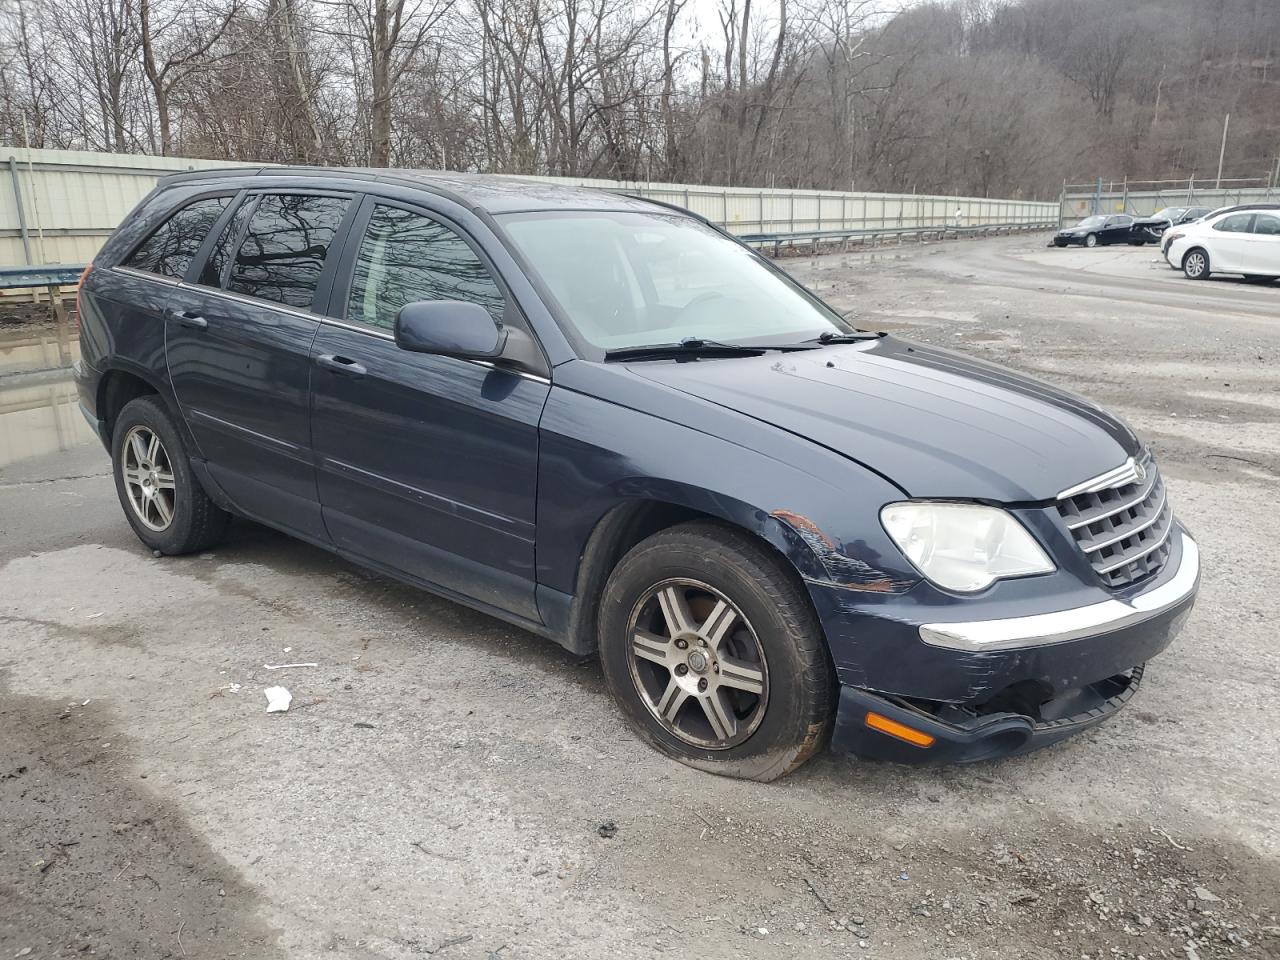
(1222, 154)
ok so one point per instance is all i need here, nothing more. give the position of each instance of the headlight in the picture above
(1176, 236)
(963, 546)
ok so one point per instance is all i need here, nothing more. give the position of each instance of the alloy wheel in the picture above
(697, 664)
(1195, 264)
(148, 478)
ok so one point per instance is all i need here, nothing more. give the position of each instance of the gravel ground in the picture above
(440, 786)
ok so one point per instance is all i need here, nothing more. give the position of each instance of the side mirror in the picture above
(450, 328)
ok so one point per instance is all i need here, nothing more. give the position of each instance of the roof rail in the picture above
(670, 206)
(205, 172)
(373, 175)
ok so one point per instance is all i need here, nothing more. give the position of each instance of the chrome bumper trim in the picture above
(1063, 625)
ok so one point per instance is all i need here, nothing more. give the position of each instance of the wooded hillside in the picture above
(996, 97)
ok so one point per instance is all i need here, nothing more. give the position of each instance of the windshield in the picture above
(634, 279)
(1092, 222)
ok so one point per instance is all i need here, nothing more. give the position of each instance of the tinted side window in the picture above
(1267, 225)
(172, 245)
(406, 257)
(213, 269)
(283, 252)
(1234, 224)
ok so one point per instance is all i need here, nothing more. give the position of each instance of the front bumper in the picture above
(1002, 684)
(959, 736)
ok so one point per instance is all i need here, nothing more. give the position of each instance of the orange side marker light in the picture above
(893, 728)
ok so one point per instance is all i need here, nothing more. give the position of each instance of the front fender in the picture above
(818, 509)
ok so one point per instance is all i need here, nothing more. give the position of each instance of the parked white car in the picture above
(1237, 241)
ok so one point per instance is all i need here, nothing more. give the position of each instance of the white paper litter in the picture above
(286, 666)
(278, 699)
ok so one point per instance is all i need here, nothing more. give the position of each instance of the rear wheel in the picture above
(1091, 240)
(162, 500)
(714, 653)
(1195, 265)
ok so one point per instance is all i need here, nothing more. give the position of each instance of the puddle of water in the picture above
(40, 418)
(39, 410)
(38, 348)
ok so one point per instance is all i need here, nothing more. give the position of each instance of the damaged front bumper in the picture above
(920, 689)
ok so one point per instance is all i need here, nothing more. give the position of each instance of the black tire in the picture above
(1091, 240)
(195, 522)
(797, 705)
(1195, 264)
(1059, 243)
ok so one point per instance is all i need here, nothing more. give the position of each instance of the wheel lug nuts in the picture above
(681, 669)
(702, 684)
(682, 644)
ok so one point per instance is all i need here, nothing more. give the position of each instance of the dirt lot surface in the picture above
(440, 786)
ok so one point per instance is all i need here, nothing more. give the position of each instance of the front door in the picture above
(1230, 244)
(1263, 255)
(426, 464)
(238, 341)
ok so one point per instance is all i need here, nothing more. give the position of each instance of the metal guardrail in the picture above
(872, 234)
(52, 277)
(55, 275)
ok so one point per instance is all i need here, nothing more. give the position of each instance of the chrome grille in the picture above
(1124, 529)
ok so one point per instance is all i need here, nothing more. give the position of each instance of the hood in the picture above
(1150, 221)
(936, 423)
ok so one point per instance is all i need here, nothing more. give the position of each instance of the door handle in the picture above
(342, 365)
(192, 320)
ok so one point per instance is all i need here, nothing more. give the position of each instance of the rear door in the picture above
(1117, 229)
(123, 308)
(1229, 243)
(1263, 254)
(427, 464)
(238, 337)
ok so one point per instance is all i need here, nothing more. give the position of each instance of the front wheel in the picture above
(715, 654)
(162, 499)
(1091, 240)
(1195, 265)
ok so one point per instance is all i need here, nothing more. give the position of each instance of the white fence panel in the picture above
(60, 205)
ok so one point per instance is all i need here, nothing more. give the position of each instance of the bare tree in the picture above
(176, 39)
(968, 96)
(390, 35)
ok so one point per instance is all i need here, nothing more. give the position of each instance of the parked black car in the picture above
(1092, 231)
(611, 424)
(1151, 229)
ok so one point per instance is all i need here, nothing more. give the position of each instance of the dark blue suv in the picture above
(606, 421)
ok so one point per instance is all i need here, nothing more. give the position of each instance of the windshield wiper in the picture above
(832, 337)
(688, 347)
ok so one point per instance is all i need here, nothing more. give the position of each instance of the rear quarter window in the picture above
(170, 247)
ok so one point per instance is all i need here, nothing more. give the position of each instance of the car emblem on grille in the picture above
(1140, 473)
